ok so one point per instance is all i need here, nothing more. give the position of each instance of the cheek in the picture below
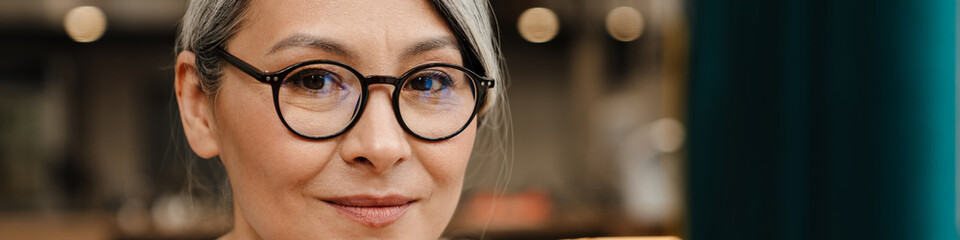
(446, 163)
(267, 164)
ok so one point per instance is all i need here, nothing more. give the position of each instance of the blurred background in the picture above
(700, 119)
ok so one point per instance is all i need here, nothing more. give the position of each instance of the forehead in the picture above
(368, 24)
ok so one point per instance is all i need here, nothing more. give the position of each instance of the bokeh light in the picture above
(625, 24)
(538, 25)
(85, 23)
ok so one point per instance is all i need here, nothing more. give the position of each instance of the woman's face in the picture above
(374, 181)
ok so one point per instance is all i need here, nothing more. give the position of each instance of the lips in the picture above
(370, 210)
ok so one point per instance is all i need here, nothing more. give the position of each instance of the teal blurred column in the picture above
(822, 119)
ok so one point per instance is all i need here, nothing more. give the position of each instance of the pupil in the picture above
(423, 84)
(313, 82)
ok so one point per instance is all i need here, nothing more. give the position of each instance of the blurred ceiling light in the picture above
(538, 25)
(85, 23)
(625, 24)
(667, 134)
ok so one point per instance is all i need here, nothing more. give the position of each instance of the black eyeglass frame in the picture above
(275, 80)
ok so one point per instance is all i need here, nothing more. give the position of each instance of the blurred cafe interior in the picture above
(668, 119)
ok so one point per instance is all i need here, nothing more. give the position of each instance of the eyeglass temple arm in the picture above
(240, 64)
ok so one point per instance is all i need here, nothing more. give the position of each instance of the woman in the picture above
(338, 119)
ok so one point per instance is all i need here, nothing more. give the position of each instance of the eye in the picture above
(314, 79)
(431, 81)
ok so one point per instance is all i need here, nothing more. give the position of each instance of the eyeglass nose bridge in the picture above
(380, 79)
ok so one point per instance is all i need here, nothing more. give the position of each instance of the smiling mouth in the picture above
(372, 211)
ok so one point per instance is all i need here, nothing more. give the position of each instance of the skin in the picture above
(278, 178)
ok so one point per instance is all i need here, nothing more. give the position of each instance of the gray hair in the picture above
(208, 24)
(211, 23)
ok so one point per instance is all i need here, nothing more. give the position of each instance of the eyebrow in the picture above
(334, 47)
(428, 45)
(306, 40)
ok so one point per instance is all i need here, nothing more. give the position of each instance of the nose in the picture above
(376, 142)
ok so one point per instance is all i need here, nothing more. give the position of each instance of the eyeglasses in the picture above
(321, 99)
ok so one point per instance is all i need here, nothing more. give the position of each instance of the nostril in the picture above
(362, 161)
